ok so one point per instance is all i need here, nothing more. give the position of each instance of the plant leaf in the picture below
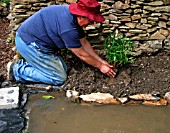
(47, 97)
(118, 49)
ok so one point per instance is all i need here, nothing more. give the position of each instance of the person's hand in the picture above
(106, 63)
(107, 70)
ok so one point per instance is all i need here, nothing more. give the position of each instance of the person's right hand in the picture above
(107, 70)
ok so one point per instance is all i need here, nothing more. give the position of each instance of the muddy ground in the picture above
(6, 53)
(148, 74)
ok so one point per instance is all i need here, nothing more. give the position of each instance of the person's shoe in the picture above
(10, 73)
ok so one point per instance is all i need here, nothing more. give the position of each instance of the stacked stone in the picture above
(143, 21)
(147, 23)
(3, 9)
(22, 9)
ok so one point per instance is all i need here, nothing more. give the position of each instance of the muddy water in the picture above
(58, 115)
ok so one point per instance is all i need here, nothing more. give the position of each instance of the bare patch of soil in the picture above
(6, 53)
(148, 74)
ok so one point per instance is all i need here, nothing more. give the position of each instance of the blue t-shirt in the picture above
(51, 28)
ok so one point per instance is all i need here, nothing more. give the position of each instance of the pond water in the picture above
(59, 115)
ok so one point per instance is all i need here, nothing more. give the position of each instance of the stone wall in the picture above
(145, 22)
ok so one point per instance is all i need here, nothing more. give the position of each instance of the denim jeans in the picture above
(38, 66)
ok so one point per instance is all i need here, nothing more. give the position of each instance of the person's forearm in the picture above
(104, 68)
(86, 57)
(88, 48)
(91, 61)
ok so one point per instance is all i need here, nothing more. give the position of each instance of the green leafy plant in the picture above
(5, 1)
(118, 50)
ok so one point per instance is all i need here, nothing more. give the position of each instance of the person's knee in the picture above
(62, 78)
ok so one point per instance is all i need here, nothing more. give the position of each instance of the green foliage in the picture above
(10, 40)
(118, 49)
(4, 1)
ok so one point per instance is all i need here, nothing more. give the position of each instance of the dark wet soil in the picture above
(148, 74)
(6, 53)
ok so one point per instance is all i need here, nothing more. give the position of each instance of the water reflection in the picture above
(58, 115)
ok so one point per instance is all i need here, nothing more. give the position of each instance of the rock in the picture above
(144, 97)
(162, 24)
(118, 5)
(167, 97)
(125, 20)
(162, 9)
(123, 27)
(69, 1)
(153, 23)
(155, 103)
(129, 11)
(167, 43)
(156, 3)
(153, 29)
(153, 19)
(148, 25)
(131, 25)
(157, 44)
(115, 22)
(136, 17)
(105, 6)
(90, 27)
(22, 6)
(141, 27)
(10, 17)
(164, 32)
(49, 88)
(149, 8)
(72, 94)
(123, 100)
(136, 31)
(144, 20)
(158, 36)
(104, 98)
(137, 11)
(155, 14)
(94, 96)
(125, 6)
(113, 17)
(135, 6)
(5, 84)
